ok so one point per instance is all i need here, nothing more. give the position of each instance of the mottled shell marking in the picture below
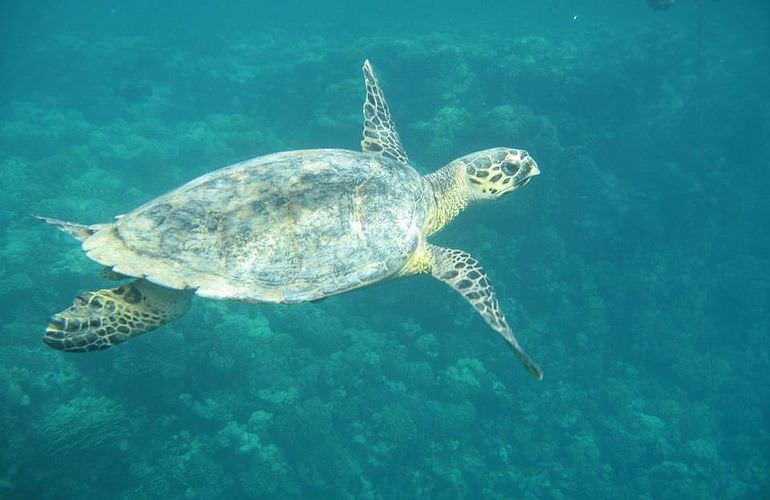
(286, 227)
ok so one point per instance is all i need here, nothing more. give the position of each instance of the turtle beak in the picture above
(528, 170)
(533, 169)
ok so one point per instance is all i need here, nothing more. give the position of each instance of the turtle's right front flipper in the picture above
(462, 272)
(99, 320)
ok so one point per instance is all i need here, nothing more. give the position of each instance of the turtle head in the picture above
(484, 175)
(495, 172)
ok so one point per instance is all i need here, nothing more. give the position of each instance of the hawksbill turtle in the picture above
(290, 227)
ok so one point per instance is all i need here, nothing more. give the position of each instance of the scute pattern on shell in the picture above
(286, 227)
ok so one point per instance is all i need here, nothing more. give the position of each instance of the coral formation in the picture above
(636, 270)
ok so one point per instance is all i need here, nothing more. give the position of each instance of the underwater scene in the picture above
(623, 231)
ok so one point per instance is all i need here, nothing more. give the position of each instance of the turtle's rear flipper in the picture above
(99, 320)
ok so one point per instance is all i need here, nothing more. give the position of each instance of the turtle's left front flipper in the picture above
(463, 273)
(380, 135)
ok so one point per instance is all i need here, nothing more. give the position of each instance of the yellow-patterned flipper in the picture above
(99, 320)
(462, 272)
(380, 134)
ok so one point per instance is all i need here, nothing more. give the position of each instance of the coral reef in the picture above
(634, 268)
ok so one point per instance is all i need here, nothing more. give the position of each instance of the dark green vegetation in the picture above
(634, 269)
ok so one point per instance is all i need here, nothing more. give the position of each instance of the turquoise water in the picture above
(634, 269)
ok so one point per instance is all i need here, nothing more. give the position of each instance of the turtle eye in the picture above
(509, 168)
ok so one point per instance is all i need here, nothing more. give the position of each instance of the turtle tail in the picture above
(77, 231)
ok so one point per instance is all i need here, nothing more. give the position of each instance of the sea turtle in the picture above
(290, 227)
